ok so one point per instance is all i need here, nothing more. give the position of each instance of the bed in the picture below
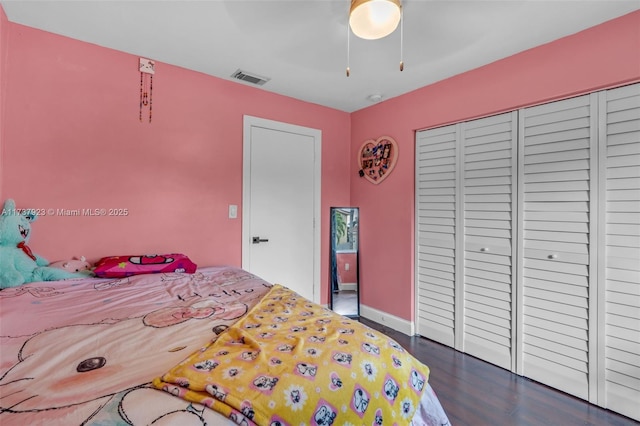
(216, 347)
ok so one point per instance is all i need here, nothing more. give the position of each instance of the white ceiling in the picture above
(301, 45)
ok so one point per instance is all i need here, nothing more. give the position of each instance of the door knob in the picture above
(258, 240)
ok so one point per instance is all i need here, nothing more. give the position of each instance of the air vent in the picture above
(249, 78)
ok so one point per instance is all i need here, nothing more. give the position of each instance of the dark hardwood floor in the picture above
(476, 393)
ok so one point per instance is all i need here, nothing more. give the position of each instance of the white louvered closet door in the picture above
(620, 206)
(557, 145)
(435, 233)
(489, 164)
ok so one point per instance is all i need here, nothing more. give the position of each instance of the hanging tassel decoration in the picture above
(141, 94)
(147, 69)
(150, 96)
(401, 37)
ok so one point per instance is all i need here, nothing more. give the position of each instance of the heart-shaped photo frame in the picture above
(377, 158)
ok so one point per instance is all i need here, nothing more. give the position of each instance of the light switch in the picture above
(233, 211)
(346, 266)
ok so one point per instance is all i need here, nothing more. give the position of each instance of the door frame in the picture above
(248, 123)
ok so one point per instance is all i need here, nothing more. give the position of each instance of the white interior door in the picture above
(281, 204)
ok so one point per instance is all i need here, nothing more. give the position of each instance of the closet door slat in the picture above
(436, 176)
(621, 192)
(557, 144)
(488, 150)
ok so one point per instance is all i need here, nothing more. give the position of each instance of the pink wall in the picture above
(73, 140)
(603, 56)
(347, 276)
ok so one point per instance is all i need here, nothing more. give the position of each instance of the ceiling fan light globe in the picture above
(374, 19)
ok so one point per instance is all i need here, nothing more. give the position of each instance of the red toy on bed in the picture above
(125, 266)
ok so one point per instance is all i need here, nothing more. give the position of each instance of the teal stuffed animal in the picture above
(18, 264)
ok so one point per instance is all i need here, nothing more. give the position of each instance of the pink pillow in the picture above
(125, 266)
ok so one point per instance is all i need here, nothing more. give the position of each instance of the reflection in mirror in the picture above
(344, 261)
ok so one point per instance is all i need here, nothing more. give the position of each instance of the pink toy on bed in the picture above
(125, 266)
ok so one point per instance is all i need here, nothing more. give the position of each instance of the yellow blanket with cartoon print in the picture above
(290, 361)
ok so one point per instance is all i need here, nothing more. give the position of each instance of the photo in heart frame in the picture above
(377, 158)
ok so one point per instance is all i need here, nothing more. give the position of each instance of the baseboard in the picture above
(391, 321)
(348, 286)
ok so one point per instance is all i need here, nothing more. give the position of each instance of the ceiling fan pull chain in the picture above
(348, 49)
(401, 37)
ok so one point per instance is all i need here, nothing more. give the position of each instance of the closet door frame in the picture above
(596, 255)
(459, 254)
(601, 231)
